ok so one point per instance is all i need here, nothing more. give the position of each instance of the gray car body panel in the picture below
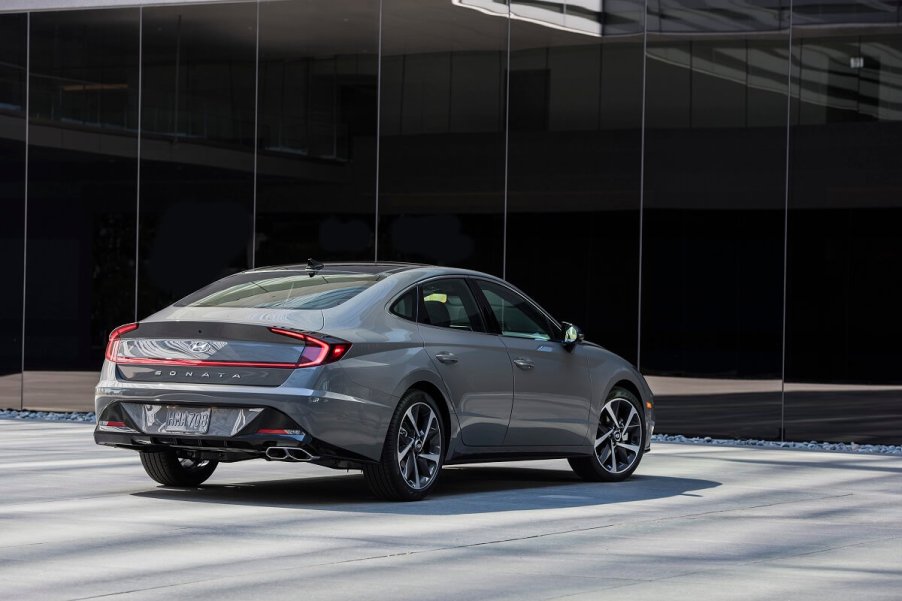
(349, 404)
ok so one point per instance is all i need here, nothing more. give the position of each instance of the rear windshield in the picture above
(294, 290)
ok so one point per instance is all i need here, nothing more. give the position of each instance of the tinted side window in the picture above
(406, 306)
(449, 304)
(516, 316)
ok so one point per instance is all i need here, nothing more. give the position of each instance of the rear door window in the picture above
(448, 303)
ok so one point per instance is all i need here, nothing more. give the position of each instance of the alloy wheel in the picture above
(419, 445)
(618, 440)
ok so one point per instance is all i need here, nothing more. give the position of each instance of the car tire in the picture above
(619, 440)
(413, 453)
(169, 469)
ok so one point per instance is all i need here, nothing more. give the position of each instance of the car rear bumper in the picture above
(298, 446)
(333, 421)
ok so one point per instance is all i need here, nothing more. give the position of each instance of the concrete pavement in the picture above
(79, 521)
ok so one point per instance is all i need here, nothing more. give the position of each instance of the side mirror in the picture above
(572, 335)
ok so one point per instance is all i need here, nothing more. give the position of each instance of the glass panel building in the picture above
(710, 188)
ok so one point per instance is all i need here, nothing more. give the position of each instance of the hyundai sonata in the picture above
(393, 369)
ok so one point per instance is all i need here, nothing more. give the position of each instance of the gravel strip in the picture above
(836, 447)
(50, 416)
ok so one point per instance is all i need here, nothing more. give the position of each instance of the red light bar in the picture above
(278, 431)
(315, 352)
(202, 362)
(113, 345)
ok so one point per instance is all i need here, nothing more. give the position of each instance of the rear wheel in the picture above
(169, 469)
(619, 440)
(413, 452)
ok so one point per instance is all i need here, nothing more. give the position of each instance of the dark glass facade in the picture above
(844, 218)
(317, 123)
(709, 189)
(13, 100)
(442, 134)
(713, 217)
(82, 176)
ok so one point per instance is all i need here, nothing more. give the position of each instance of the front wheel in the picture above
(169, 469)
(413, 453)
(619, 440)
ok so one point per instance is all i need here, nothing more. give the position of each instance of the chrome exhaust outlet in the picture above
(298, 454)
(276, 453)
(288, 454)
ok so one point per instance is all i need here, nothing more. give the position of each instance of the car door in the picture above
(474, 364)
(552, 389)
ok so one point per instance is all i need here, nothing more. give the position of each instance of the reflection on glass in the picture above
(81, 198)
(569, 107)
(717, 406)
(12, 199)
(574, 176)
(442, 146)
(198, 68)
(713, 219)
(197, 148)
(80, 75)
(832, 12)
(316, 167)
(845, 214)
(684, 16)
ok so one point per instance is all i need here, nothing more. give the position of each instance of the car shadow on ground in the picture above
(461, 490)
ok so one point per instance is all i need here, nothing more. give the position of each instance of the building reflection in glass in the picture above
(82, 182)
(317, 121)
(713, 218)
(533, 139)
(13, 51)
(442, 140)
(845, 214)
(574, 162)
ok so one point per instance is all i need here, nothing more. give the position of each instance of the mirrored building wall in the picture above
(13, 150)
(713, 216)
(844, 248)
(709, 189)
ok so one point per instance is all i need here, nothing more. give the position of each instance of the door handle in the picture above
(524, 363)
(446, 357)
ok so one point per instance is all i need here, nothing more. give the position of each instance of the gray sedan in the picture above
(393, 369)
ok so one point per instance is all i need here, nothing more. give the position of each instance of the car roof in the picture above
(382, 267)
(407, 272)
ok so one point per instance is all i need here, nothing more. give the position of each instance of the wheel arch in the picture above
(643, 395)
(441, 401)
(627, 385)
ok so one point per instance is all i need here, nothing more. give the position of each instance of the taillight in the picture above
(113, 344)
(316, 350)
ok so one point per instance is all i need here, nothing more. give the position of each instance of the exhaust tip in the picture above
(298, 454)
(276, 453)
(288, 454)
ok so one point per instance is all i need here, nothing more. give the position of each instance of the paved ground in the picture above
(79, 522)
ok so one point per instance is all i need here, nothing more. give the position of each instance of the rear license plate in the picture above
(187, 420)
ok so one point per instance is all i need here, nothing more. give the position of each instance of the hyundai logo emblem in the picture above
(200, 347)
